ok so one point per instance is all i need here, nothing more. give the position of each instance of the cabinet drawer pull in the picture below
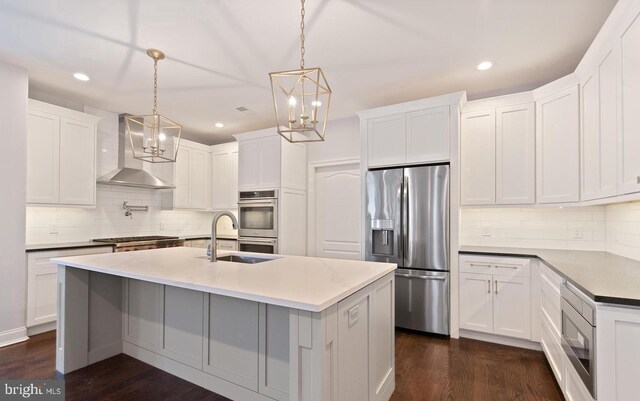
(515, 267)
(479, 265)
(496, 286)
(489, 286)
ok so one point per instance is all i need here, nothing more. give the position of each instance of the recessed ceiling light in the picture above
(219, 125)
(80, 76)
(485, 65)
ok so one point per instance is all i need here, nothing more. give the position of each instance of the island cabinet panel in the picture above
(142, 313)
(274, 352)
(353, 347)
(180, 331)
(231, 340)
(382, 339)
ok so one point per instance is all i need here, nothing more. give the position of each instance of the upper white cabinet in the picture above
(558, 147)
(267, 161)
(61, 155)
(629, 175)
(224, 164)
(498, 153)
(478, 158)
(599, 114)
(419, 136)
(191, 175)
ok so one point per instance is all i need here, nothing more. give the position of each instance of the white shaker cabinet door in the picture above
(199, 179)
(77, 162)
(476, 302)
(182, 192)
(515, 155)
(386, 140)
(225, 180)
(558, 147)
(43, 141)
(270, 157)
(427, 138)
(590, 138)
(478, 158)
(630, 143)
(248, 164)
(512, 306)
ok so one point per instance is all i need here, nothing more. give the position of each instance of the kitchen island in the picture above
(288, 328)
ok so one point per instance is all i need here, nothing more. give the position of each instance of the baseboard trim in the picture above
(195, 376)
(41, 328)
(14, 336)
(498, 339)
(104, 352)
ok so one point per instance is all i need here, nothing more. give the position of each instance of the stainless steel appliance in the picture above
(579, 334)
(126, 244)
(407, 223)
(260, 245)
(258, 213)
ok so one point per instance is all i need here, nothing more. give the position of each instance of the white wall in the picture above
(556, 228)
(13, 114)
(342, 142)
(53, 225)
(623, 229)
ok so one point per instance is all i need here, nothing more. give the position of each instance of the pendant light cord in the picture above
(302, 36)
(155, 87)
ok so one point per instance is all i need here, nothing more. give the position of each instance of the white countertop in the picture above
(306, 283)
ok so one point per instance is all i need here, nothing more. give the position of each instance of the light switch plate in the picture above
(53, 229)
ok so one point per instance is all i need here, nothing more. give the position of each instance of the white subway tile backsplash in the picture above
(623, 229)
(557, 228)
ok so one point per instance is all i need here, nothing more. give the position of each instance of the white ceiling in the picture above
(219, 52)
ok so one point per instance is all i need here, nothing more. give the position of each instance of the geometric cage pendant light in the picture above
(301, 99)
(154, 138)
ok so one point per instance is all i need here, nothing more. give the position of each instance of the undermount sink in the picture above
(242, 259)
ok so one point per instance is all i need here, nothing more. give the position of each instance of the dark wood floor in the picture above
(427, 369)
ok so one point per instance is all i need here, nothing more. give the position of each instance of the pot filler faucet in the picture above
(212, 251)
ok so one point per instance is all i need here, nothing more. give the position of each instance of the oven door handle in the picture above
(254, 202)
(257, 241)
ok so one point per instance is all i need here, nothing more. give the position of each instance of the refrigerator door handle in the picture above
(405, 218)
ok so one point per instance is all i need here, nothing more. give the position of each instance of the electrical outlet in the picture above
(53, 229)
(577, 234)
(486, 231)
(162, 225)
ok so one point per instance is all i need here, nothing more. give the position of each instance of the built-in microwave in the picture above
(259, 245)
(579, 334)
(258, 214)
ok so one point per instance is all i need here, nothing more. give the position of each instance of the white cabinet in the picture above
(478, 158)
(515, 154)
(41, 282)
(191, 175)
(599, 162)
(498, 154)
(224, 164)
(267, 161)
(61, 155)
(495, 295)
(420, 136)
(558, 147)
(629, 165)
(227, 245)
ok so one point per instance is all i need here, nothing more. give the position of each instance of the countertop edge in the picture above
(55, 247)
(236, 294)
(595, 298)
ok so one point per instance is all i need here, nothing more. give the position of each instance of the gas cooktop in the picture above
(119, 240)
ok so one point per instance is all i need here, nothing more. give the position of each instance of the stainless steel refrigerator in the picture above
(407, 223)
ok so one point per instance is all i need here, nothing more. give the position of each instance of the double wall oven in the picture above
(579, 334)
(258, 221)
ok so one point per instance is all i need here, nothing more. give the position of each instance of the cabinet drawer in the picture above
(550, 305)
(553, 278)
(574, 388)
(227, 245)
(42, 259)
(552, 349)
(495, 265)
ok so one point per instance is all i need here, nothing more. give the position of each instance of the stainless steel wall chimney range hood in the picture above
(129, 172)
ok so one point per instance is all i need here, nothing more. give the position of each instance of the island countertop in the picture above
(305, 283)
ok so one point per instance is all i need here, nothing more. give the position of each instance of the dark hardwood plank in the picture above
(427, 369)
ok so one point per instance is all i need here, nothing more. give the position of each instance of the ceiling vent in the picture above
(242, 109)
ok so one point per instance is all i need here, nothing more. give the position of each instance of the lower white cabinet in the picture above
(574, 389)
(495, 295)
(41, 282)
(227, 245)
